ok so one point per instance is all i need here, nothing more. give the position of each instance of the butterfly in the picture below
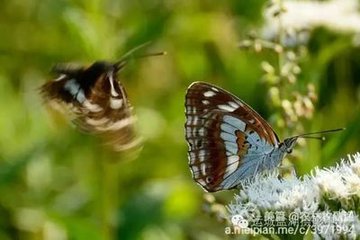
(95, 100)
(228, 140)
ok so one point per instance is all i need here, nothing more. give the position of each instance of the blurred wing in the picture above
(227, 139)
(99, 106)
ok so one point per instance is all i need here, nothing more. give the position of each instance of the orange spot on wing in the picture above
(243, 145)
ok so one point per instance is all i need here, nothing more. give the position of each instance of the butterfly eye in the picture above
(289, 150)
(209, 179)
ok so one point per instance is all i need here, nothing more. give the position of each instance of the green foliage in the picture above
(57, 183)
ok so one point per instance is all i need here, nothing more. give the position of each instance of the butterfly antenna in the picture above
(130, 54)
(310, 135)
(322, 138)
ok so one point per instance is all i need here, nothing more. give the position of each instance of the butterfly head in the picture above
(288, 144)
(100, 67)
(77, 71)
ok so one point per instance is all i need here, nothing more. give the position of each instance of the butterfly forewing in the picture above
(223, 133)
(96, 102)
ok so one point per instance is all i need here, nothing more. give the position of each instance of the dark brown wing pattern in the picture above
(217, 126)
(97, 102)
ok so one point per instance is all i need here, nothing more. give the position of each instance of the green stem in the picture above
(281, 55)
(279, 41)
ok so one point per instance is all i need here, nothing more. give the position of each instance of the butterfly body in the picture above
(228, 140)
(96, 101)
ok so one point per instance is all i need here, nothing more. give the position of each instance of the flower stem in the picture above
(280, 39)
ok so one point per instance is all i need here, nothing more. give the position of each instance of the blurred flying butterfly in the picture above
(228, 140)
(96, 101)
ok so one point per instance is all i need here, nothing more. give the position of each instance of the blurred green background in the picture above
(57, 183)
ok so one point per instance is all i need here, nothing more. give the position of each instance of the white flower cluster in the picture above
(329, 191)
(336, 15)
(341, 182)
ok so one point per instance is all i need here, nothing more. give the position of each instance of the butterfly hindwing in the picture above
(227, 139)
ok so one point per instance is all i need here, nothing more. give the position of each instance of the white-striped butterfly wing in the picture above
(96, 102)
(228, 140)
